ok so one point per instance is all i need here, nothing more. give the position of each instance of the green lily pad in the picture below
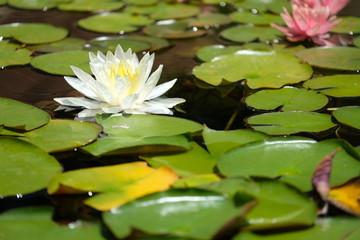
(114, 22)
(209, 20)
(348, 116)
(195, 161)
(275, 6)
(110, 44)
(21, 116)
(283, 123)
(172, 213)
(45, 33)
(90, 5)
(131, 145)
(218, 142)
(172, 30)
(207, 53)
(60, 135)
(338, 58)
(141, 2)
(13, 54)
(278, 205)
(262, 69)
(25, 168)
(325, 228)
(5, 29)
(336, 85)
(245, 33)
(60, 62)
(293, 159)
(33, 4)
(287, 99)
(258, 19)
(347, 25)
(163, 11)
(196, 180)
(3, 1)
(36, 223)
(357, 42)
(67, 44)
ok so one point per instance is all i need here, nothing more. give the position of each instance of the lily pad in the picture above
(340, 85)
(283, 123)
(13, 54)
(34, 4)
(279, 205)
(347, 25)
(36, 223)
(5, 29)
(124, 182)
(90, 5)
(293, 159)
(209, 20)
(60, 62)
(348, 116)
(258, 19)
(110, 44)
(275, 6)
(114, 22)
(172, 30)
(67, 44)
(196, 180)
(25, 168)
(195, 161)
(60, 135)
(164, 11)
(172, 213)
(338, 58)
(141, 2)
(287, 99)
(357, 42)
(325, 228)
(207, 53)
(262, 69)
(21, 116)
(245, 33)
(45, 33)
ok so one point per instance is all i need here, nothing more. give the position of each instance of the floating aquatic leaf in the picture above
(219, 142)
(60, 62)
(21, 116)
(33, 4)
(258, 19)
(123, 183)
(45, 33)
(347, 25)
(357, 42)
(5, 29)
(110, 43)
(60, 135)
(172, 30)
(3, 1)
(275, 6)
(13, 54)
(196, 180)
(207, 53)
(114, 22)
(283, 123)
(277, 69)
(195, 161)
(90, 5)
(209, 20)
(25, 168)
(348, 116)
(293, 159)
(338, 58)
(36, 223)
(142, 2)
(287, 99)
(245, 33)
(163, 11)
(172, 213)
(67, 44)
(278, 205)
(340, 85)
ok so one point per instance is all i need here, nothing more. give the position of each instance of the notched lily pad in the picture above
(347, 25)
(209, 20)
(172, 30)
(90, 5)
(245, 33)
(258, 19)
(349, 116)
(13, 54)
(67, 44)
(33, 4)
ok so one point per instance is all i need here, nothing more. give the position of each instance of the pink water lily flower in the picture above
(307, 22)
(334, 5)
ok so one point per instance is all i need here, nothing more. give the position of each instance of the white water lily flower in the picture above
(122, 84)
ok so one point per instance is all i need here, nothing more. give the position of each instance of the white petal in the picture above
(112, 109)
(84, 85)
(119, 52)
(104, 92)
(161, 89)
(79, 102)
(149, 85)
(128, 102)
(157, 109)
(89, 113)
(166, 102)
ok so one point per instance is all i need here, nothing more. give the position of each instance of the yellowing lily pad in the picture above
(60, 62)
(25, 168)
(21, 116)
(209, 20)
(33, 4)
(340, 85)
(258, 19)
(348, 116)
(90, 5)
(196, 180)
(283, 123)
(13, 54)
(172, 30)
(287, 99)
(114, 22)
(123, 183)
(67, 44)
(245, 33)
(338, 58)
(261, 69)
(347, 25)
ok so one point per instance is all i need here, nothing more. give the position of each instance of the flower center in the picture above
(126, 70)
